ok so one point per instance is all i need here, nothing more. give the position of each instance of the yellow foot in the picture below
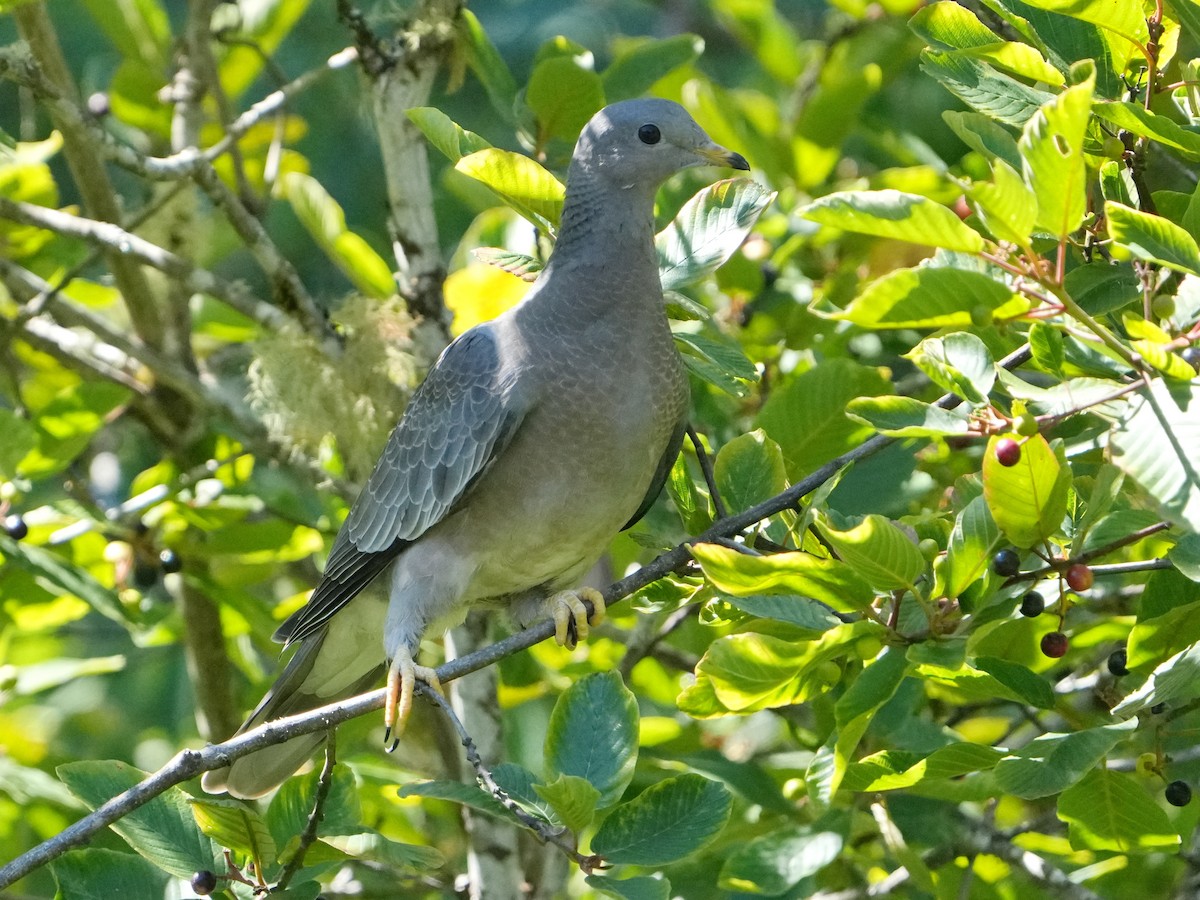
(570, 615)
(402, 679)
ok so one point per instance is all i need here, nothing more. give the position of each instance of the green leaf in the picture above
(563, 93)
(1152, 238)
(752, 671)
(828, 580)
(1157, 443)
(969, 551)
(719, 361)
(643, 887)
(573, 798)
(59, 577)
(708, 229)
(641, 63)
(1185, 555)
(1052, 763)
(323, 218)
(457, 792)
(1136, 118)
(488, 65)
(878, 550)
(982, 87)
(931, 297)
(987, 138)
(1112, 811)
(1124, 18)
(139, 29)
(234, 825)
(68, 422)
(894, 214)
(517, 782)
(287, 816)
(907, 417)
(1028, 685)
(1028, 500)
(958, 363)
(523, 184)
(873, 687)
(1100, 288)
(1175, 681)
(446, 135)
(162, 830)
(20, 438)
(1007, 206)
(807, 415)
(891, 770)
(373, 847)
(593, 735)
(1052, 149)
(773, 864)
(522, 265)
(800, 611)
(748, 470)
(664, 823)
(99, 874)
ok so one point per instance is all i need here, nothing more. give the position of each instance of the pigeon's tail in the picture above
(338, 661)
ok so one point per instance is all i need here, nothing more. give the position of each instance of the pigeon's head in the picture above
(644, 142)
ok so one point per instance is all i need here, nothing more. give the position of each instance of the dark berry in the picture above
(1191, 356)
(1179, 793)
(145, 575)
(15, 527)
(1033, 604)
(1080, 577)
(1006, 563)
(1118, 663)
(204, 882)
(1055, 644)
(1008, 452)
(170, 562)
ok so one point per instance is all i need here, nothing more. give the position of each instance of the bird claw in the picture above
(571, 620)
(401, 681)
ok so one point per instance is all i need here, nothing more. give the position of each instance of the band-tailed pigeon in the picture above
(534, 439)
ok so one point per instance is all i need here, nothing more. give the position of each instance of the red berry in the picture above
(1080, 577)
(1055, 644)
(1008, 452)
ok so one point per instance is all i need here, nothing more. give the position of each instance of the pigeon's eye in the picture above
(649, 134)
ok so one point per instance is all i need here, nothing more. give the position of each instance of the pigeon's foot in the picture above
(571, 620)
(401, 680)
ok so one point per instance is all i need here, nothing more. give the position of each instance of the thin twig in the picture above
(315, 815)
(114, 237)
(561, 837)
(706, 467)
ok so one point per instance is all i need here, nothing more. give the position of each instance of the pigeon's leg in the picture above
(570, 615)
(401, 680)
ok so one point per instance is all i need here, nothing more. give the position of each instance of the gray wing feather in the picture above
(459, 420)
(660, 475)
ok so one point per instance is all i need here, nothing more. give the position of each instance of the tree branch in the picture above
(130, 246)
(87, 167)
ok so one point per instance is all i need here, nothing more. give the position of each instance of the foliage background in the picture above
(892, 750)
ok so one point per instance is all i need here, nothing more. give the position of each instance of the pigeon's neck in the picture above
(605, 226)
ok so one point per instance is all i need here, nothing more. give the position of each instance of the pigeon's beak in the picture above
(716, 155)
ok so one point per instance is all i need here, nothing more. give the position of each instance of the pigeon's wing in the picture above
(660, 475)
(458, 422)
